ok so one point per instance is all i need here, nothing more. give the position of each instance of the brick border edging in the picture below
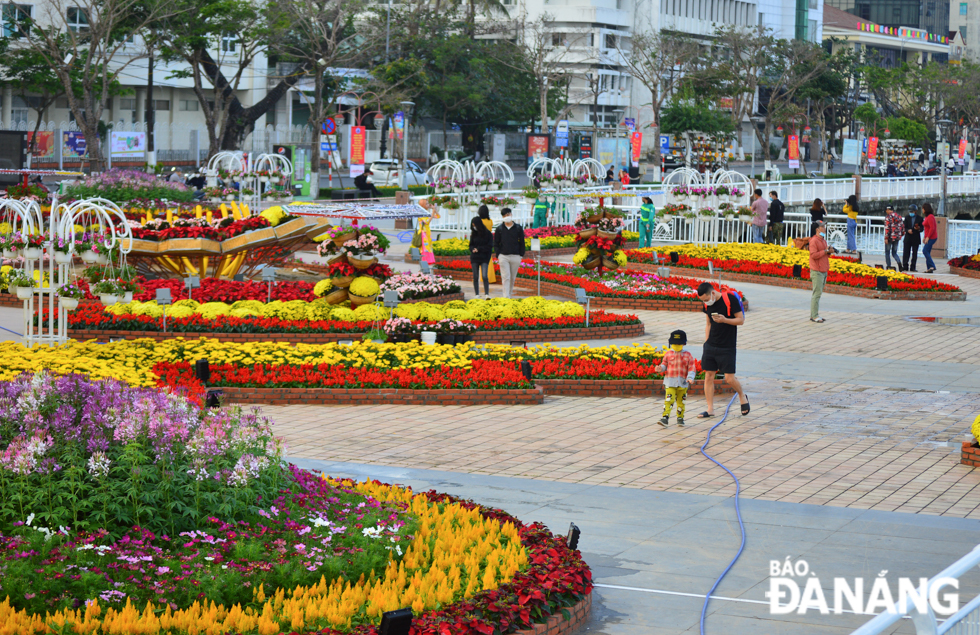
(619, 387)
(597, 302)
(557, 624)
(966, 273)
(373, 396)
(970, 453)
(615, 331)
(545, 253)
(794, 283)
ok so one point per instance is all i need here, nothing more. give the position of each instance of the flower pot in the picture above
(462, 339)
(24, 293)
(428, 337)
(89, 256)
(101, 260)
(608, 235)
(9, 253)
(214, 199)
(127, 297)
(342, 238)
(446, 338)
(358, 300)
(108, 299)
(342, 281)
(337, 296)
(69, 303)
(667, 218)
(341, 257)
(689, 219)
(62, 258)
(592, 262)
(230, 197)
(529, 200)
(362, 261)
(588, 233)
(32, 252)
(609, 263)
(595, 218)
(263, 179)
(745, 218)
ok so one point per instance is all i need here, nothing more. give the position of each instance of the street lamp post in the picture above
(754, 121)
(619, 122)
(944, 131)
(406, 114)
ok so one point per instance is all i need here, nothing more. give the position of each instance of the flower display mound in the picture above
(158, 230)
(555, 237)
(971, 263)
(778, 261)
(115, 543)
(146, 362)
(121, 186)
(623, 283)
(216, 290)
(319, 316)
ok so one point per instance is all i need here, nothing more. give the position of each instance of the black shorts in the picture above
(720, 360)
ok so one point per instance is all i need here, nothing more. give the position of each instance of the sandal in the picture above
(818, 320)
(705, 415)
(745, 408)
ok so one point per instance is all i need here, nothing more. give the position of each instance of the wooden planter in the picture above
(189, 246)
(342, 238)
(138, 247)
(361, 263)
(358, 300)
(248, 240)
(587, 233)
(291, 228)
(342, 281)
(337, 296)
(319, 226)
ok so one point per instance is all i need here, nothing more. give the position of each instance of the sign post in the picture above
(794, 151)
(873, 151)
(358, 146)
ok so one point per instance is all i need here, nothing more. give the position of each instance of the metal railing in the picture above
(964, 238)
(964, 622)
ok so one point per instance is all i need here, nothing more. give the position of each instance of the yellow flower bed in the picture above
(456, 553)
(772, 254)
(132, 360)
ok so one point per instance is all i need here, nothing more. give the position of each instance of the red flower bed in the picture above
(965, 262)
(786, 271)
(482, 375)
(552, 230)
(577, 368)
(211, 233)
(93, 317)
(215, 290)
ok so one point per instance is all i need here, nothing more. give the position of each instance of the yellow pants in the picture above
(678, 396)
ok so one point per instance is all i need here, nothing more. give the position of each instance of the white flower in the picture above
(30, 519)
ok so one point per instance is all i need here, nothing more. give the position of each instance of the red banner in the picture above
(794, 151)
(872, 148)
(636, 142)
(358, 145)
(962, 148)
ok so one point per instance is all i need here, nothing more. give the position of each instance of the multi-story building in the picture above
(928, 15)
(964, 26)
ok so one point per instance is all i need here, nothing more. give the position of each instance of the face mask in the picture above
(508, 222)
(677, 348)
(709, 302)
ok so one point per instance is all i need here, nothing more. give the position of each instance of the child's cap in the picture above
(677, 337)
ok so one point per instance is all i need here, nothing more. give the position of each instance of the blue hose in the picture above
(9, 331)
(738, 513)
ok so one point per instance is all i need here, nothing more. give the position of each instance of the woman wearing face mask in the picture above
(484, 213)
(819, 267)
(481, 248)
(817, 213)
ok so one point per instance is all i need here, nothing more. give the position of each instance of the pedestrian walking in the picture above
(648, 215)
(760, 211)
(724, 314)
(894, 230)
(930, 235)
(912, 238)
(481, 250)
(484, 213)
(819, 268)
(851, 209)
(776, 212)
(508, 245)
(679, 368)
(817, 212)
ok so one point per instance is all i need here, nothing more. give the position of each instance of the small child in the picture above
(678, 367)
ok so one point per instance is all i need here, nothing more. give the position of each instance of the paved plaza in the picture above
(849, 460)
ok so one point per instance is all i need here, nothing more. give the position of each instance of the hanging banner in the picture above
(962, 149)
(636, 142)
(794, 151)
(399, 125)
(358, 147)
(73, 145)
(873, 151)
(125, 145)
(538, 146)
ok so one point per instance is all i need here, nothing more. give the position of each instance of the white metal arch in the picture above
(235, 160)
(26, 213)
(103, 210)
(275, 163)
(684, 176)
(489, 169)
(590, 167)
(549, 166)
(446, 168)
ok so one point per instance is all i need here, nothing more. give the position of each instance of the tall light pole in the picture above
(943, 130)
(406, 115)
(754, 121)
(619, 114)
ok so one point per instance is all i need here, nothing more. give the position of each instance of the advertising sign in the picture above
(873, 151)
(127, 144)
(794, 151)
(850, 154)
(538, 145)
(585, 147)
(630, 124)
(73, 145)
(358, 147)
(962, 149)
(561, 134)
(399, 125)
(44, 148)
(636, 142)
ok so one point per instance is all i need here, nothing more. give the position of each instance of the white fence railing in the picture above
(964, 622)
(964, 238)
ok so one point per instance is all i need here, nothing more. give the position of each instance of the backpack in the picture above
(728, 303)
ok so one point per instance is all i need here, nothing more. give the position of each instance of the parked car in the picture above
(388, 171)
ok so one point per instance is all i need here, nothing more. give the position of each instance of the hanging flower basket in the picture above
(342, 281)
(62, 258)
(610, 264)
(358, 300)
(108, 299)
(362, 261)
(340, 239)
(89, 256)
(127, 297)
(593, 261)
(588, 233)
(32, 253)
(341, 257)
(69, 303)
(607, 235)
(24, 293)
(337, 296)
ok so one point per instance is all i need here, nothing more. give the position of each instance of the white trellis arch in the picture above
(588, 167)
(489, 169)
(92, 209)
(551, 166)
(446, 168)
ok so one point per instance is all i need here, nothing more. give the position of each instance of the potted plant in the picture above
(745, 213)
(376, 336)
(530, 193)
(62, 250)
(21, 284)
(33, 248)
(14, 243)
(689, 216)
(680, 192)
(363, 290)
(707, 213)
(108, 291)
(401, 329)
(609, 228)
(722, 192)
(69, 296)
(447, 330)
(128, 287)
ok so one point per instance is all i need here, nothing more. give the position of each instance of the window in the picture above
(963, 33)
(610, 41)
(963, 6)
(17, 19)
(189, 105)
(557, 39)
(812, 30)
(77, 20)
(228, 42)
(127, 103)
(161, 104)
(813, 4)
